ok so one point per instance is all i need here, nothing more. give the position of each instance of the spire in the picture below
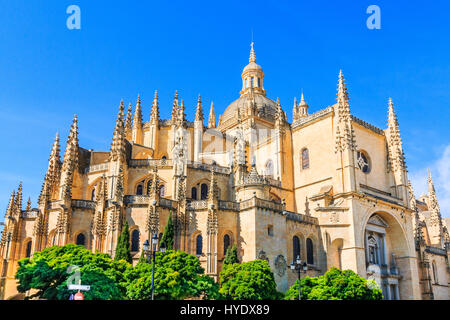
(175, 108)
(303, 107)
(295, 110)
(199, 111)
(118, 143)
(181, 115)
(212, 117)
(396, 155)
(213, 193)
(279, 116)
(154, 115)
(18, 200)
(418, 234)
(436, 226)
(345, 134)
(54, 163)
(154, 187)
(129, 123)
(252, 54)
(342, 98)
(10, 207)
(28, 207)
(70, 159)
(137, 121)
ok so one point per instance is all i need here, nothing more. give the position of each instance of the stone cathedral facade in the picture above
(326, 186)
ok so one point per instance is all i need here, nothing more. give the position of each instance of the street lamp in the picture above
(152, 252)
(300, 267)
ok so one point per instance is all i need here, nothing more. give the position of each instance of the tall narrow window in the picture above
(93, 194)
(295, 247)
(135, 240)
(309, 251)
(259, 82)
(194, 193)
(28, 251)
(305, 159)
(253, 82)
(162, 190)
(204, 192)
(139, 189)
(226, 243)
(435, 275)
(81, 239)
(199, 245)
(363, 161)
(372, 250)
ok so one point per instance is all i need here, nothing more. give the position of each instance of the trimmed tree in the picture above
(48, 273)
(248, 281)
(336, 284)
(123, 251)
(168, 234)
(231, 256)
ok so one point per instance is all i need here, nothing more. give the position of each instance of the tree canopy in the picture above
(335, 284)
(178, 275)
(168, 234)
(248, 281)
(47, 272)
(231, 256)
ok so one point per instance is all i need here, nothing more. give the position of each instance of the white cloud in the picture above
(440, 171)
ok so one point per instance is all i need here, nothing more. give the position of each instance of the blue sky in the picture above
(48, 72)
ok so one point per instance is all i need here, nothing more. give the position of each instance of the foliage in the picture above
(231, 256)
(47, 273)
(178, 275)
(168, 234)
(123, 251)
(335, 284)
(248, 281)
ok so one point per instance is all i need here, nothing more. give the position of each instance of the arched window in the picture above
(164, 158)
(226, 243)
(295, 247)
(139, 190)
(162, 190)
(93, 194)
(362, 159)
(269, 168)
(135, 240)
(199, 245)
(259, 82)
(149, 186)
(373, 250)
(81, 239)
(305, 159)
(194, 193)
(28, 251)
(309, 251)
(204, 192)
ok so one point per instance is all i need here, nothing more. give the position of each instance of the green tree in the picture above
(168, 234)
(248, 281)
(231, 256)
(335, 284)
(47, 273)
(178, 275)
(123, 251)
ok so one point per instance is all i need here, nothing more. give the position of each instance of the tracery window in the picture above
(226, 243)
(199, 245)
(295, 247)
(139, 189)
(28, 251)
(162, 190)
(204, 191)
(373, 250)
(309, 251)
(135, 240)
(363, 161)
(305, 159)
(194, 193)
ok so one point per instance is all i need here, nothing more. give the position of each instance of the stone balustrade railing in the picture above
(228, 205)
(436, 250)
(97, 167)
(300, 217)
(83, 204)
(144, 200)
(207, 167)
(196, 205)
(138, 163)
(30, 214)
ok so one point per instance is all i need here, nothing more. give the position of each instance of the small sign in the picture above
(79, 287)
(79, 296)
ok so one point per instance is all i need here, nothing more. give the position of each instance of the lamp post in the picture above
(300, 267)
(152, 252)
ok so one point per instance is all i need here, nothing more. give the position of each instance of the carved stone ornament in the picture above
(280, 265)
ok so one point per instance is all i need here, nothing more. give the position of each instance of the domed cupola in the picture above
(252, 76)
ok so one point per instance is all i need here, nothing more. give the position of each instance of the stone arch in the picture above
(27, 248)
(135, 239)
(80, 237)
(222, 242)
(92, 188)
(144, 182)
(51, 239)
(290, 252)
(195, 242)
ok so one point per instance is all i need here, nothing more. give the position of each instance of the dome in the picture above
(252, 66)
(265, 107)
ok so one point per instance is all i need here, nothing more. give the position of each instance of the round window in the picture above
(363, 162)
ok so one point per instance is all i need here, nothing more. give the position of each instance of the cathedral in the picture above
(326, 186)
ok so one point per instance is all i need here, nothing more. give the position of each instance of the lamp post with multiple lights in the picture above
(300, 267)
(151, 252)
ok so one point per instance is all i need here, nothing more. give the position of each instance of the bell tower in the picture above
(252, 76)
